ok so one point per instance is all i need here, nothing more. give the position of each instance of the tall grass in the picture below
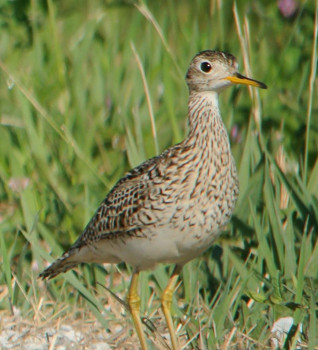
(90, 90)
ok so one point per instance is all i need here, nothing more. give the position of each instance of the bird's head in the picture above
(214, 71)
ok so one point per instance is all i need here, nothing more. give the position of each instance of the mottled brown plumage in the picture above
(172, 207)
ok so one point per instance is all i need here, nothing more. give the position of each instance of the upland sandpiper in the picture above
(172, 207)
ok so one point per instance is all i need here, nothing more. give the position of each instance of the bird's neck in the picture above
(205, 122)
(208, 146)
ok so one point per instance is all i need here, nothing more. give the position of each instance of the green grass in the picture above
(90, 89)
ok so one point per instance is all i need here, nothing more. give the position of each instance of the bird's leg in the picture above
(134, 305)
(166, 301)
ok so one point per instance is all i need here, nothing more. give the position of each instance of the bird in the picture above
(172, 207)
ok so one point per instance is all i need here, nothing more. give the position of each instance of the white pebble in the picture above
(100, 346)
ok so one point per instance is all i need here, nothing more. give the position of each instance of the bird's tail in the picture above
(62, 264)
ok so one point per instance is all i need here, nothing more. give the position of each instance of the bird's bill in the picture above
(240, 79)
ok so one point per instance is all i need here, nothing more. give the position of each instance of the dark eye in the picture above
(205, 67)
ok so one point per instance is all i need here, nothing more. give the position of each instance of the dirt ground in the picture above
(64, 334)
(77, 332)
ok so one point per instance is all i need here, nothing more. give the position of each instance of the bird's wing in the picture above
(128, 208)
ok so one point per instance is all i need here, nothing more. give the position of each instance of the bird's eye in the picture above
(205, 67)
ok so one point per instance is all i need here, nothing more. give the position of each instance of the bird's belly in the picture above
(163, 244)
(167, 245)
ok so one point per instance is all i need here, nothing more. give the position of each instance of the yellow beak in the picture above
(240, 79)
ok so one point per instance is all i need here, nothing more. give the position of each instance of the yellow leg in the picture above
(166, 301)
(134, 305)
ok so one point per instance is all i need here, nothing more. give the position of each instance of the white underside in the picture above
(145, 253)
